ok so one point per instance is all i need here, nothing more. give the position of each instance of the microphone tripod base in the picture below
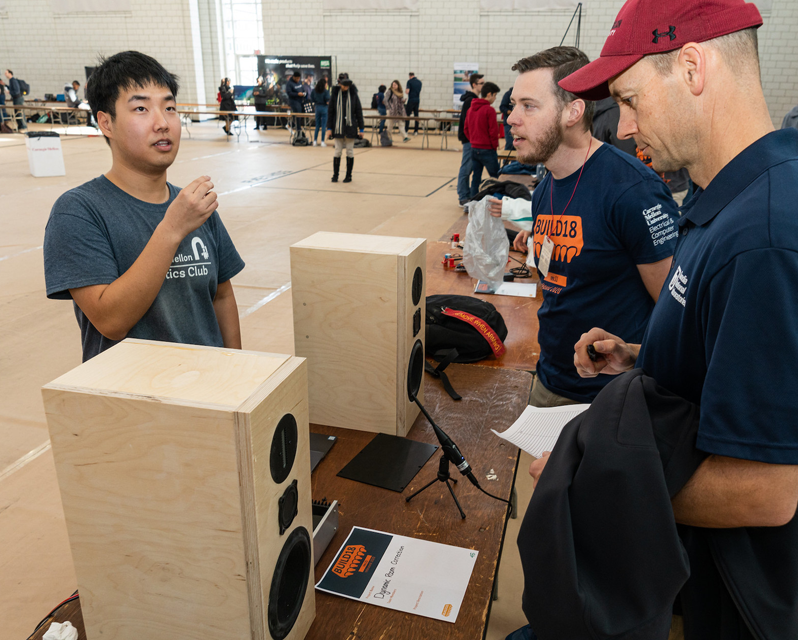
(446, 478)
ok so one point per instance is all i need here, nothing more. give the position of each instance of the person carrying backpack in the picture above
(17, 98)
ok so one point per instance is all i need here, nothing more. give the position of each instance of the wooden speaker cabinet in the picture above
(185, 479)
(359, 309)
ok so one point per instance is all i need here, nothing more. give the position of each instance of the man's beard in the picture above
(544, 148)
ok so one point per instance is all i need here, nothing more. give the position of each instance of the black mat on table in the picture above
(389, 462)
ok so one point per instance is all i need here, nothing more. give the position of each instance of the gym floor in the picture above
(271, 195)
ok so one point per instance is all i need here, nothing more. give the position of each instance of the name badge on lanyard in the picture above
(545, 256)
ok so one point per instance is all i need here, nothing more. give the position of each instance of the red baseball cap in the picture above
(656, 26)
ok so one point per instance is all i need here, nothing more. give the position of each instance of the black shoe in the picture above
(256, 128)
(350, 162)
(336, 168)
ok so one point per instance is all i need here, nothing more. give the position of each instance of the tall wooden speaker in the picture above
(185, 480)
(359, 317)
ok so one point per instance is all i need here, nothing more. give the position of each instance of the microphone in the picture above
(450, 449)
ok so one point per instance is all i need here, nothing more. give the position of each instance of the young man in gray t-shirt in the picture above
(140, 257)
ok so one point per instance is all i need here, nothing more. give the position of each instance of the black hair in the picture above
(76, 82)
(489, 88)
(121, 72)
(296, 74)
(382, 88)
(9, 71)
(321, 85)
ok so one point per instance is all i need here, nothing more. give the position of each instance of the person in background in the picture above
(791, 119)
(475, 80)
(321, 98)
(138, 256)
(394, 105)
(227, 103)
(505, 107)
(379, 99)
(3, 114)
(17, 98)
(413, 91)
(261, 95)
(296, 96)
(344, 123)
(482, 130)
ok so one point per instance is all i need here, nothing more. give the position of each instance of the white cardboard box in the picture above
(45, 156)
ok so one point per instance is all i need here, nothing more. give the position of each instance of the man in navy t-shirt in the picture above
(603, 232)
(413, 91)
(138, 256)
(724, 333)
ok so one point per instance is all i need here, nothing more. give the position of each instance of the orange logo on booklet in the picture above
(564, 231)
(447, 610)
(350, 560)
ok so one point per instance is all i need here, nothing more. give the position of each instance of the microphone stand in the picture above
(451, 453)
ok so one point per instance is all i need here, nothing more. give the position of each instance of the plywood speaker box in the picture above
(185, 479)
(359, 312)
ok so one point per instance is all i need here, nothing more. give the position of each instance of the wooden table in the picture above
(520, 314)
(492, 398)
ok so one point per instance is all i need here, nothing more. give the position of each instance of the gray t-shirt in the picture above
(97, 231)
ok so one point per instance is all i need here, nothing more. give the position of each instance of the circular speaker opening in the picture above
(415, 370)
(284, 443)
(289, 583)
(418, 285)
(287, 507)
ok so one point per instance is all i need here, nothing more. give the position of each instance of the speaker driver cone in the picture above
(289, 583)
(415, 370)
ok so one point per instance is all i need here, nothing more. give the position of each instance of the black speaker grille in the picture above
(283, 453)
(289, 583)
(418, 285)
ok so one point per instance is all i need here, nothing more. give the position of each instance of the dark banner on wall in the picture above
(277, 69)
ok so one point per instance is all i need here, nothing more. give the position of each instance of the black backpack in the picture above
(445, 332)
(300, 139)
(362, 142)
(374, 104)
(24, 87)
(385, 139)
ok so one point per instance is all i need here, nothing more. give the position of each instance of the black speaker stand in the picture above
(445, 477)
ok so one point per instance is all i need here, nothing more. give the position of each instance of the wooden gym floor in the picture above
(271, 195)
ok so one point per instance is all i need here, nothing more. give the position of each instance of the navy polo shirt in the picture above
(724, 333)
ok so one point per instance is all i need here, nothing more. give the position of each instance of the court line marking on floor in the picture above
(14, 255)
(265, 300)
(27, 458)
(441, 187)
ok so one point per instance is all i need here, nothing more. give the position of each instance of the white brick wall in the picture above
(374, 47)
(49, 50)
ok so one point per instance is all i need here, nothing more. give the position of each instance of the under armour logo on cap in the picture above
(671, 34)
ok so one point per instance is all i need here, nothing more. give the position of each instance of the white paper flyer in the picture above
(416, 576)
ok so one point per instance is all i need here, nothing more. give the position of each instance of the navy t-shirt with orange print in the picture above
(621, 215)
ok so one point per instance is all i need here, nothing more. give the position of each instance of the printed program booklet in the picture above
(416, 576)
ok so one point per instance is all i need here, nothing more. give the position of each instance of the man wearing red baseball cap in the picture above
(724, 332)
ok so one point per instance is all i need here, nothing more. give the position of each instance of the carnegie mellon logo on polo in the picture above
(353, 559)
(678, 286)
(564, 231)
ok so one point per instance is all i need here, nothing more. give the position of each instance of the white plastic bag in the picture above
(58, 631)
(486, 247)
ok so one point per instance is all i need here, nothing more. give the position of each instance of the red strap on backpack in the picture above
(495, 342)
